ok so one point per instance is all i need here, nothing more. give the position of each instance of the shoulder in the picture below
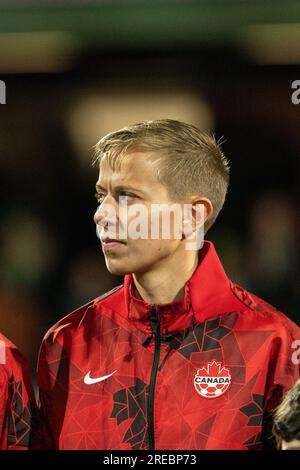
(11, 360)
(5, 342)
(263, 313)
(75, 319)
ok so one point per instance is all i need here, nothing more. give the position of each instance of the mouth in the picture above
(111, 243)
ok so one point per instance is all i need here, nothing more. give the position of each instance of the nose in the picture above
(106, 213)
(98, 215)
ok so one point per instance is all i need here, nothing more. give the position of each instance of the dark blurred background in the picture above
(75, 70)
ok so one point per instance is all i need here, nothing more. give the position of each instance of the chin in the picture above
(120, 269)
(117, 270)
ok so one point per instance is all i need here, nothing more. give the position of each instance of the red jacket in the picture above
(17, 403)
(203, 372)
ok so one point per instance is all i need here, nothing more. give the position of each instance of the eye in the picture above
(99, 197)
(126, 197)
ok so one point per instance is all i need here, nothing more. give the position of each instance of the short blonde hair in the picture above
(189, 161)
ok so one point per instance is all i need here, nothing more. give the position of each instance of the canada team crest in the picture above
(212, 381)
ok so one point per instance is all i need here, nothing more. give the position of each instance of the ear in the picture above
(207, 206)
(201, 209)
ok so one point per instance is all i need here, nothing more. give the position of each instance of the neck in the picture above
(165, 282)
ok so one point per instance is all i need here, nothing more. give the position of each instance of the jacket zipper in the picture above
(155, 327)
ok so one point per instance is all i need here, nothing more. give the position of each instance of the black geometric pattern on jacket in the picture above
(254, 410)
(132, 403)
(255, 442)
(205, 336)
(20, 417)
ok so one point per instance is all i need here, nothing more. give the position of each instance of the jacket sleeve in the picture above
(3, 407)
(52, 368)
(18, 414)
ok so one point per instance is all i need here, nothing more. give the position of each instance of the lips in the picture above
(108, 240)
(111, 244)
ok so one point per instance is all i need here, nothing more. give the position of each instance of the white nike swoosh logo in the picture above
(88, 380)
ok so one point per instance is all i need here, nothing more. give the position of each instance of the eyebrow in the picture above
(120, 188)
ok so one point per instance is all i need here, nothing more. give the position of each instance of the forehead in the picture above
(135, 167)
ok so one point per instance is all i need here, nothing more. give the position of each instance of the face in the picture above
(292, 445)
(134, 183)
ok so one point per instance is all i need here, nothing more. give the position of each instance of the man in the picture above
(17, 403)
(177, 357)
(287, 420)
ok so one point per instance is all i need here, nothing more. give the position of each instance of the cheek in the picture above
(152, 223)
(168, 226)
(153, 249)
(141, 251)
(140, 255)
